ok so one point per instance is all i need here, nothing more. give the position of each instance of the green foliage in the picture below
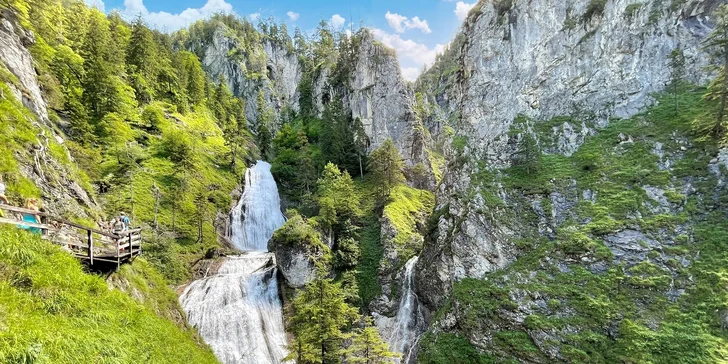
(449, 348)
(406, 211)
(633, 297)
(387, 169)
(293, 164)
(632, 10)
(594, 8)
(55, 313)
(319, 321)
(711, 124)
(337, 137)
(367, 347)
(297, 231)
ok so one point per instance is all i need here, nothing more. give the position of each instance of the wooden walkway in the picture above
(91, 245)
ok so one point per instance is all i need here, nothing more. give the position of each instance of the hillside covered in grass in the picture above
(54, 312)
(620, 248)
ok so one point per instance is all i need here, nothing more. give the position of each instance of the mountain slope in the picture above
(572, 221)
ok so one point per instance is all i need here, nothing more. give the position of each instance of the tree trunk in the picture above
(361, 169)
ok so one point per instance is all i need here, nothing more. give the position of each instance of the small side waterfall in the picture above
(237, 310)
(410, 321)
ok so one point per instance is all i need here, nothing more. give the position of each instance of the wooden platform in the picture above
(88, 244)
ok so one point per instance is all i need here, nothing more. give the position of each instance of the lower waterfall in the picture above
(409, 322)
(237, 310)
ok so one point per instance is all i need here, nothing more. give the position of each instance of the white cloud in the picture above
(410, 73)
(98, 4)
(254, 16)
(395, 21)
(170, 22)
(348, 33)
(401, 23)
(409, 52)
(462, 9)
(293, 16)
(337, 21)
(416, 23)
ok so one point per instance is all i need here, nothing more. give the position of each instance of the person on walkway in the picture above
(33, 205)
(125, 220)
(117, 226)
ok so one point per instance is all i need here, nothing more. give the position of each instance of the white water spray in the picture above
(238, 311)
(410, 321)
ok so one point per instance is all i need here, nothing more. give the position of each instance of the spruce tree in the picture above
(96, 52)
(677, 73)
(712, 123)
(387, 169)
(368, 347)
(321, 316)
(142, 60)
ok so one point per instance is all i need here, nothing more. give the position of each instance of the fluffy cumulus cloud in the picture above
(98, 4)
(254, 16)
(401, 23)
(170, 22)
(410, 73)
(462, 9)
(337, 21)
(411, 53)
(293, 16)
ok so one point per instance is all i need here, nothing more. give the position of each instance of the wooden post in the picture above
(90, 247)
(118, 255)
(131, 247)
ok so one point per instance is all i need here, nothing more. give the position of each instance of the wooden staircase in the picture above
(90, 245)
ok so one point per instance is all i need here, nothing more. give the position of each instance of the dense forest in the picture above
(546, 226)
(149, 132)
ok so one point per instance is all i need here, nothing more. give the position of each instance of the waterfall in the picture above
(237, 310)
(409, 322)
(258, 213)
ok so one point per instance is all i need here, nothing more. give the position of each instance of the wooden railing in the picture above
(86, 243)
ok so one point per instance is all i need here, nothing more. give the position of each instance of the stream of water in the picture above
(410, 321)
(237, 310)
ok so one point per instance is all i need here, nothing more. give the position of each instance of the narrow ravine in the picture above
(410, 321)
(237, 310)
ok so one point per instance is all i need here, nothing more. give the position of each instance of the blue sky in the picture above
(417, 29)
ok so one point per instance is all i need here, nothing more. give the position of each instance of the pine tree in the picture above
(320, 317)
(361, 141)
(337, 136)
(336, 197)
(96, 52)
(712, 123)
(387, 169)
(142, 60)
(368, 347)
(677, 73)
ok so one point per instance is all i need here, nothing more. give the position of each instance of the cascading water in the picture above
(410, 322)
(237, 310)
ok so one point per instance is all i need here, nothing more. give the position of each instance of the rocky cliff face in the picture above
(554, 58)
(42, 161)
(278, 76)
(376, 92)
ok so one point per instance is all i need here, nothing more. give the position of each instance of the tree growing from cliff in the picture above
(712, 123)
(677, 74)
(387, 169)
(337, 137)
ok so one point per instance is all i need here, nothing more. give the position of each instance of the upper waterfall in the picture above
(258, 214)
(237, 310)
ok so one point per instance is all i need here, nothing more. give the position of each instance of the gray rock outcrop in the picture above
(542, 60)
